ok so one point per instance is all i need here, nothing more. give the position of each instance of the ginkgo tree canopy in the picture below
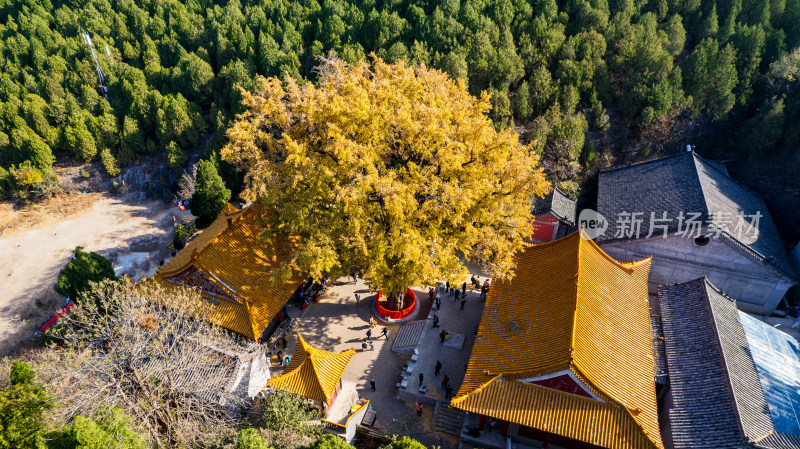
(395, 171)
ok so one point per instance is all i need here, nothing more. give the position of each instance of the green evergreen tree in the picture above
(210, 194)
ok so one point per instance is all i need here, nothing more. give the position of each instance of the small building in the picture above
(554, 216)
(733, 379)
(316, 375)
(695, 221)
(564, 354)
(242, 370)
(232, 268)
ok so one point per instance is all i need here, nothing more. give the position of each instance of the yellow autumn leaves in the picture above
(394, 170)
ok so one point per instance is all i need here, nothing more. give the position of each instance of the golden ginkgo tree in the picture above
(394, 171)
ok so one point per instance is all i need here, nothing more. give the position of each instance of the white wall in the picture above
(678, 259)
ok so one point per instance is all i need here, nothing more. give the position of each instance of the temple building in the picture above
(733, 379)
(695, 220)
(316, 375)
(231, 266)
(564, 354)
(555, 216)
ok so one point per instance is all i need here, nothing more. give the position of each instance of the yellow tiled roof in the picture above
(569, 307)
(235, 265)
(313, 373)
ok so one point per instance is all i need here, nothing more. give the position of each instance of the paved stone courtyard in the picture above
(336, 323)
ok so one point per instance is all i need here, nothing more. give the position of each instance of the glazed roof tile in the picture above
(313, 373)
(569, 307)
(232, 266)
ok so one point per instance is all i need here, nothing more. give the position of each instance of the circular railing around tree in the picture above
(396, 314)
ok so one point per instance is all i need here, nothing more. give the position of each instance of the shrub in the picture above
(85, 173)
(329, 441)
(26, 175)
(182, 234)
(109, 162)
(112, 429)
(22, 407)
(404, 443)
(251, 439)
(83, 269)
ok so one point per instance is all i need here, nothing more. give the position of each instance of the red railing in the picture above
(55, 318)
(396, 314)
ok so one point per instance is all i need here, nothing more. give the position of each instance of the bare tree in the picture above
(151, 354)
(186, 183)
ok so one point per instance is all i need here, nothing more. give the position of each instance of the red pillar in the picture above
(504, 431)
(481, 422)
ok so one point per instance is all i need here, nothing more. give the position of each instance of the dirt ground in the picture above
(37, 242)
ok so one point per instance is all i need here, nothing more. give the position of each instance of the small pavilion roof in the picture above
(313, 373)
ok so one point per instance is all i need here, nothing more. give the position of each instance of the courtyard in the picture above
(337, 323)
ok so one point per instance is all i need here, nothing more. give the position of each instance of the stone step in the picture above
(447, 419)
(408, 337)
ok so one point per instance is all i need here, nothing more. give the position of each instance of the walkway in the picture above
(336, 324)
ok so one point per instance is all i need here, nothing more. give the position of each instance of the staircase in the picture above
(447, 419)
(408, 336)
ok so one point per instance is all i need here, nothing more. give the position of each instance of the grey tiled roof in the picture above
(704, 412)
(659, 351)
(718, 397)
(754, 415)
(561, 205)
(687, 183)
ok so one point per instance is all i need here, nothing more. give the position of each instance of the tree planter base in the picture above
(408, 313)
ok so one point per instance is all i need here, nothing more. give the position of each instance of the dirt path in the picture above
(38, 243)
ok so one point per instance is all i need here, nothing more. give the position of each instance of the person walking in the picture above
(419, 408)
(385, 333)
(355, 278)
(458, 294)
(280, 357)
(371, 346)
(358, 300)
(353, 275)
(431, 292)
(435, 320)
(448, 392)
(421, 378)
(438, 368)
(369, 334)
(438, 303)
(445, 381)
(464, 288)
(442, 336)
(463, 301)
(372, 384)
